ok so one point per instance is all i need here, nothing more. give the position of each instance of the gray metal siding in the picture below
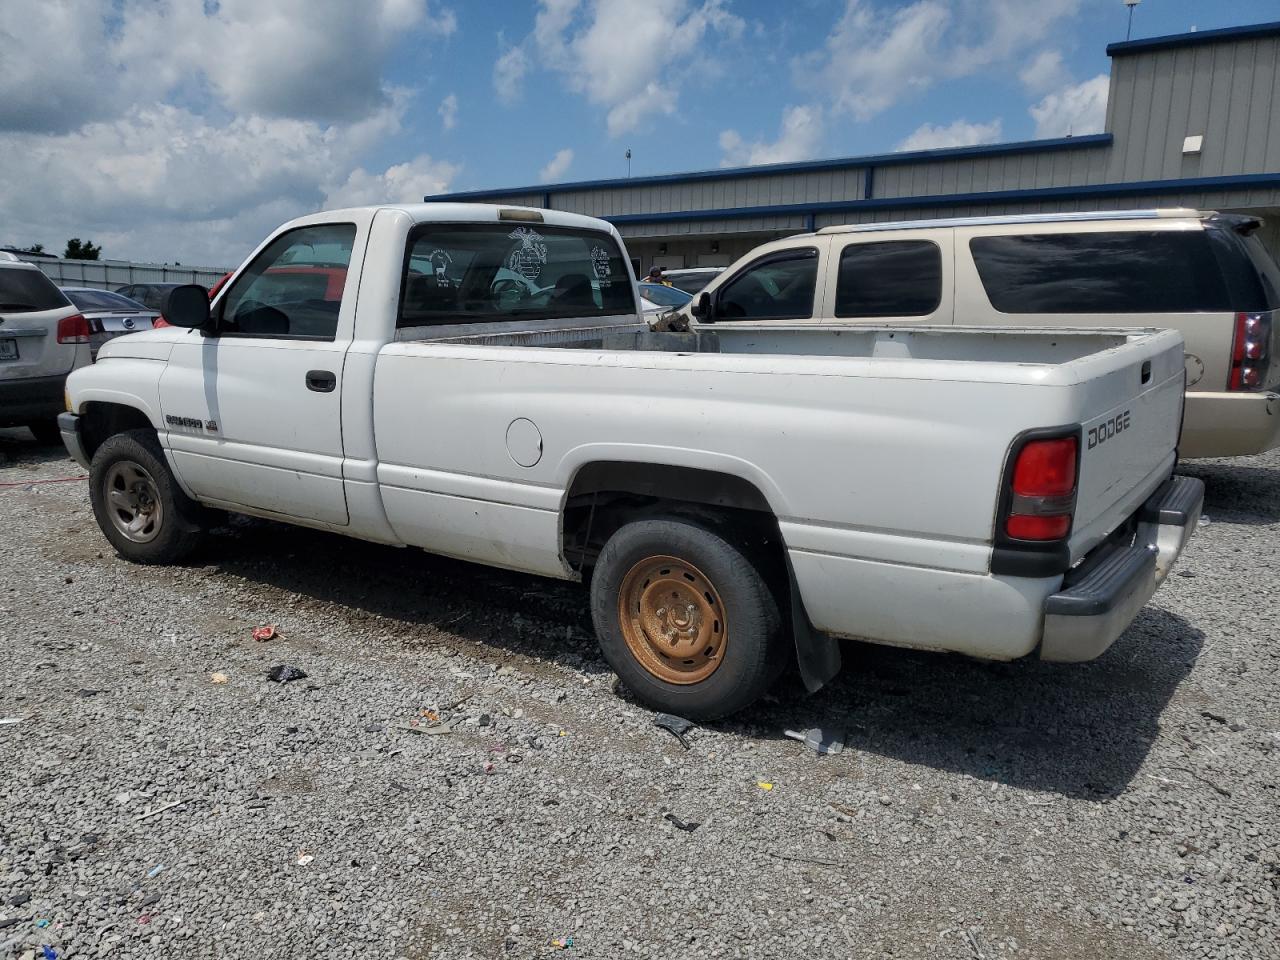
(1227, 92)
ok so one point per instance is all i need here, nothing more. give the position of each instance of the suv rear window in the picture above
(26, 291)
(482, 272)
(892, 278)
(1128, 272)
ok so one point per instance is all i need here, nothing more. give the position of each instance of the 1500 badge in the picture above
(1107, 429)
(192, 423)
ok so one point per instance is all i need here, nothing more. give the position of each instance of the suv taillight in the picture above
(73, 329)
(1043, 490)
(1250, 352)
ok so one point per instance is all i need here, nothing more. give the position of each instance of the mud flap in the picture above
(817, 654)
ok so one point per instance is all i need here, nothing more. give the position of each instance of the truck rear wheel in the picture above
(685, 618)
(138, 503)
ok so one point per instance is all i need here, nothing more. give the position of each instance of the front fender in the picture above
(126, 382)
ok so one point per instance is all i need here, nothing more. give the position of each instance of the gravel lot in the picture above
(1123, 808)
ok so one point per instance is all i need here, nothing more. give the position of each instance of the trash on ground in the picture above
(488, 766)
(284, 673)
(158, 810)
(145, 918)
(764, 784)
(5, 721)
(265, 632)
(88, 692)
(434, 729)
(155, 871)
(688, 826)
(677, 726)
(818, 740)
(43, 922)
(218, 677)
(304, 858)
(562, 943)
(49, 952)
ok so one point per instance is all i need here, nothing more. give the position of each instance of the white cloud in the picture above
(1074, 110)
(880, 53)
(630, 61)
(1044, 73)
(958, 134)
(448, 111)
(556, 167)
(508, 74)
(402, 183)
(799, 139)
(185, 129)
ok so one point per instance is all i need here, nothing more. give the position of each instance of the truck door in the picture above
(253, 414)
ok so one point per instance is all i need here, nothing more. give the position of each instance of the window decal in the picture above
(441, 261)
(530, 257)
(600, 265)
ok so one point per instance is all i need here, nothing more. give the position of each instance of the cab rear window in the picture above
(1126, 272)
(26, 291)
(482, 272)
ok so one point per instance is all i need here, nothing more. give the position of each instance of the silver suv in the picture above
(43, 337)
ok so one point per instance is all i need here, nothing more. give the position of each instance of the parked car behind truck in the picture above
(735, 497)
(1203, 274)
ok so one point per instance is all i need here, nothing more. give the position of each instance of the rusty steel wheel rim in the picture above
(673, 620)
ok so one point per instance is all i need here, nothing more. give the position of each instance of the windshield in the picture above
(25, 291)
(482, 272)
(664, 296)
(101, 300)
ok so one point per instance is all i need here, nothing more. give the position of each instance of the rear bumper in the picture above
(26, 399)
(1220, 424)
(1100, 599)
(71, 427)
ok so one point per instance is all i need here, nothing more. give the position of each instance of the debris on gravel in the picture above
(1121, 808)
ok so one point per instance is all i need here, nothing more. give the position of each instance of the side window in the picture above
(293, 288)
(487, 272)
(893, 278)
(780, 287)
(1167, 271)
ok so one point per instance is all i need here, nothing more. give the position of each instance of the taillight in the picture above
(73, 329)
(1042, 495)
(159, 322)
(1250, 352)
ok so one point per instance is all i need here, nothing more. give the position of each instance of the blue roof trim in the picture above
(1253, 31)
(1135, 189)
(801, 166)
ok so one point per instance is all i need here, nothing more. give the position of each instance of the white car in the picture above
(1205, 275)
(43, 337)
(735, 497)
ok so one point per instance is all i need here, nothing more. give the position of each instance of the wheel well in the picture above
(606, 495)
(103, 420)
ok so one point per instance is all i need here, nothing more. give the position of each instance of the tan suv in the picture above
(43, 337)
(1203, 274)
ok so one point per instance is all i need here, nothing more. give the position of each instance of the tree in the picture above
(36, 248)
(77, 250)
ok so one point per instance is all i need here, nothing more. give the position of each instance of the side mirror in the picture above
(701, 307)
(188, 306)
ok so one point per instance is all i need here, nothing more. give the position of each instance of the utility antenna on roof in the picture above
(628, 163)
(1130, 4)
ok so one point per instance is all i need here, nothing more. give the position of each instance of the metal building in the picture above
(1193, 120)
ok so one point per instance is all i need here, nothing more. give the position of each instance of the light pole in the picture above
(629, 158)
(1130, 4)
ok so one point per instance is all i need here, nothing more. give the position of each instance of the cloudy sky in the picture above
(185, 129)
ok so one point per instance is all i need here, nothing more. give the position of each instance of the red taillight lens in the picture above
(159, 322)
(73, 329)
(1039, 528)
(1046, 468)
(1043, 482)
(1250, 351)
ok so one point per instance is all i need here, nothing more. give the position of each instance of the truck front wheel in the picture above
(138, 503)
(685, 618)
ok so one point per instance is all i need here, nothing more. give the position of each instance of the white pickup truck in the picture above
(477, 381)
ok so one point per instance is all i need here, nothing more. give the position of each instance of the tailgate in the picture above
(1129, 436)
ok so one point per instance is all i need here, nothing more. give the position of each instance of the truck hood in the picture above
(144, 345)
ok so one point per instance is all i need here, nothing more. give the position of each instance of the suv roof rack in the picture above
(1152, 214)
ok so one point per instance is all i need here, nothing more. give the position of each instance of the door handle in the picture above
(321, 381)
